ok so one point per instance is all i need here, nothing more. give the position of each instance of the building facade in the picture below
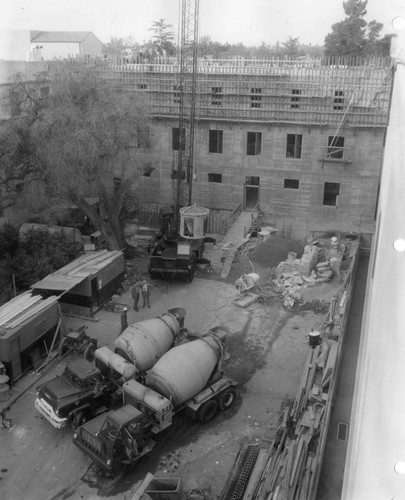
(301, 140)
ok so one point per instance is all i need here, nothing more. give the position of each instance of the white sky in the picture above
(248, 21)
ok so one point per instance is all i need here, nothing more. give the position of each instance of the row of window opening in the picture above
(334, 150)
(255, 98)
(330, 193)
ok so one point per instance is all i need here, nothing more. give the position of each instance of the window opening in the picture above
(142, 86)
(176, 90)
(294, 145)
(291, 184)
(252, 181)
(215, 141)
(176, 139)
(335, 147)
(215, 178)
(255, 98)
(295, 98)
(338, 100)
(331, 193)
(216, 96)
(254, 143)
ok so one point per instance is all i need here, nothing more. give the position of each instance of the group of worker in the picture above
(141, 288)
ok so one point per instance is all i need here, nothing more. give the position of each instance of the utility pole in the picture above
(187, 100)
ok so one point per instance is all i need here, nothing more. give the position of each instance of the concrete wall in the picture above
(358, 176)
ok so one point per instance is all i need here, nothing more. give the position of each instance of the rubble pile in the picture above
(311, 269)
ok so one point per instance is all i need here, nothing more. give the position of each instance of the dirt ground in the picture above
(267, 348)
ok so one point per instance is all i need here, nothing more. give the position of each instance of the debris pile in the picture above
(313, 268)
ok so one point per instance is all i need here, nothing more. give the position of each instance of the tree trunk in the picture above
(107, 227)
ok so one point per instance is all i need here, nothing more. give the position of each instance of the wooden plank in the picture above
(298, 463)
(330, 363)
(261, 491)
(304, 486)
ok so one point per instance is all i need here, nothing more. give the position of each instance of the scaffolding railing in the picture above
(273, 91)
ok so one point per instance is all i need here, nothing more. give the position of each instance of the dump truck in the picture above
(188, 377)
(85, 389)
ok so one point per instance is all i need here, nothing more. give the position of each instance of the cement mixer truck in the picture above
(189, 377)
(85, 389)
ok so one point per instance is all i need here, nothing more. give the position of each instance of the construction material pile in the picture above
(314, 267)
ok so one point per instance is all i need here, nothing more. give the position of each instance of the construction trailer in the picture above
(86, 283)
(28, 325)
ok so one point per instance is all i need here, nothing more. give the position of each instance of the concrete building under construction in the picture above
(301, 139)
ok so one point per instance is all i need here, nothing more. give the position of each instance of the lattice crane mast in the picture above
(186, 92)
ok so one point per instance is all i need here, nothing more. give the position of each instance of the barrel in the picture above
(314, 339)
(185, 370)
(144, 342)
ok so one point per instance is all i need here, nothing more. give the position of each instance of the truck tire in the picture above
(89, 352)
(79, 418)
(226, 399)
(208, 411)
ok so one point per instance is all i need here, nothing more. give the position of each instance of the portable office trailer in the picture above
(85, 284)
(27, 327)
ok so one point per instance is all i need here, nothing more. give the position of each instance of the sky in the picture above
(250, 22)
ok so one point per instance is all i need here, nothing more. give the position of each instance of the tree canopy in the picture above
(354, 36)
(86, 140)
(162, 38)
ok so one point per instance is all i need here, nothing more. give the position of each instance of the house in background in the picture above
(30, 45)
(48, 45)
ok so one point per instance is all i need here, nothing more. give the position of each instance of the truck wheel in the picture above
(89, 352)
(208, 411)
(226, 399)
(79, 418)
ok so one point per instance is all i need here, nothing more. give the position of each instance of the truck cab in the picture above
(76, 395)
(120, 437)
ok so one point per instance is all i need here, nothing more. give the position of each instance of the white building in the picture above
(29, 45)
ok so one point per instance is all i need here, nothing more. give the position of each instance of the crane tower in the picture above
(186, 89)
